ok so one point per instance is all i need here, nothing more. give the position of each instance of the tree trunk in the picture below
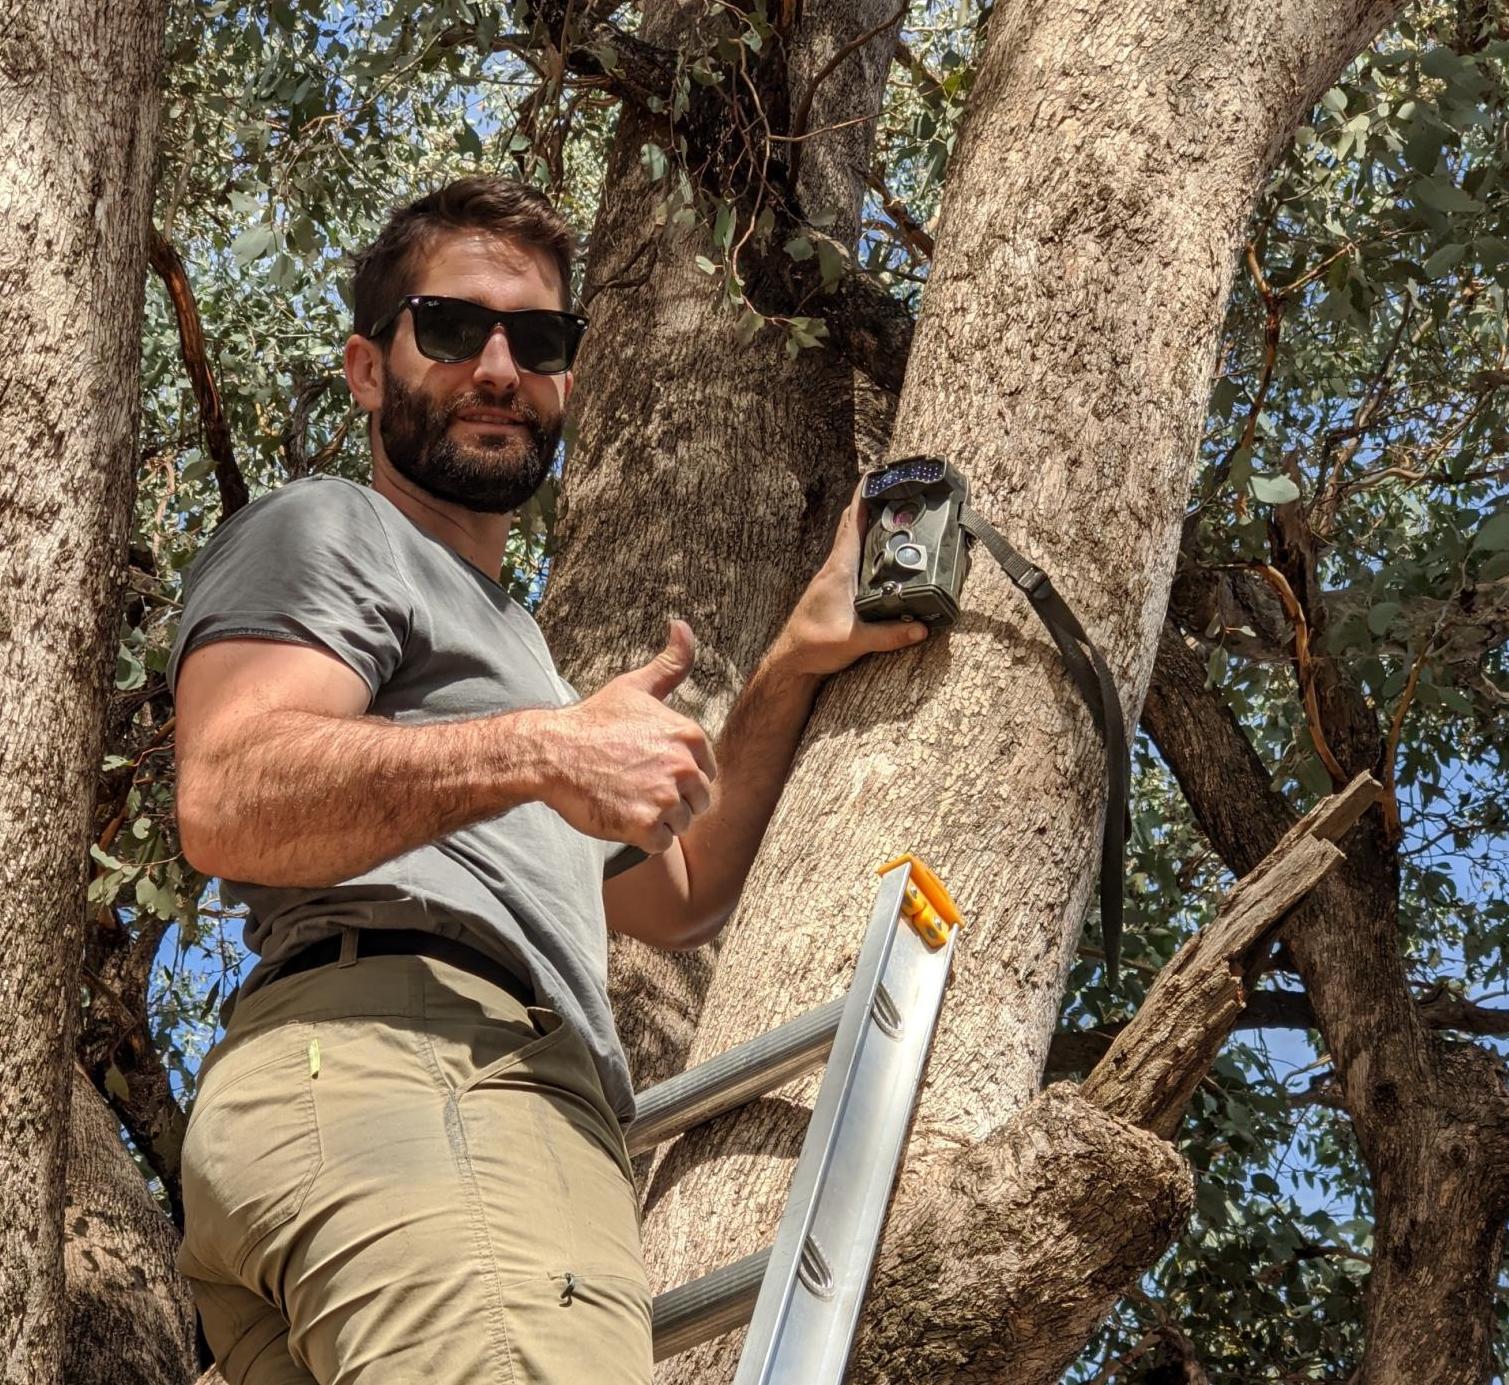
(1103, 176)
(744, 455)
(130, 1319)
(78, 143)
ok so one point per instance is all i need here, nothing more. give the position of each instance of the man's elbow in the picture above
(694, 930)
(200, 833)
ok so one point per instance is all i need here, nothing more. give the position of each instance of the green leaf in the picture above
(652, 156)
(1444, 260)
(706, 265)
(116, 1084)
(1444, 195)
(104, 857)
(831, 260)
(748, 324)
(799, 248)
(129, 672)
(1313, 776)
(723, 227)
(1273, 490)
(1493, 536)
(253, 244)
(1381, 617)
(1335, 100)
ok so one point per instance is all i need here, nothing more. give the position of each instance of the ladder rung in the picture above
(704, 1308)
(744, 1072)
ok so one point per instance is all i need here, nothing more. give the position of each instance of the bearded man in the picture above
(406, 1160)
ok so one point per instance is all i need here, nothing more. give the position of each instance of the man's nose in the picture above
(495, 365)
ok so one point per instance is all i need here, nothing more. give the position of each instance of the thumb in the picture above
(883, 636)
(665, 672)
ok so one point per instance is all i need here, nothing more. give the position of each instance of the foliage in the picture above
(1365, 375)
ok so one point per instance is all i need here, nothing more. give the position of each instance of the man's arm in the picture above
(283, 781)
(682, 898)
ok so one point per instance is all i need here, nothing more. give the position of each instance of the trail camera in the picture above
(915, 556)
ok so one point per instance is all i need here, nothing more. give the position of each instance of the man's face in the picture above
(480, 433)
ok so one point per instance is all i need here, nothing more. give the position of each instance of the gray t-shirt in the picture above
(328, 563)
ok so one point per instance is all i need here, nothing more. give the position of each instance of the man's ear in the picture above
(364, 372)
(570, 381)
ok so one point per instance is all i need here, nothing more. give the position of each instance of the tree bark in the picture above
(744, 455)
(78, 140)
(130, 1320)
(1104, 173)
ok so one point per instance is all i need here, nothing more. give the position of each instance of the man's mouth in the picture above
(489, 419)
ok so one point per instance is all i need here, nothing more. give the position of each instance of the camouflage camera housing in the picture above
(915, 556)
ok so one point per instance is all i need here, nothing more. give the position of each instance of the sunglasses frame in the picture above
(499, 318)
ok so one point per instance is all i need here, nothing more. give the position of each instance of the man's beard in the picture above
(493, 475)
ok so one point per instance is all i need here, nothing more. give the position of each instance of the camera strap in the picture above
(1092, 677)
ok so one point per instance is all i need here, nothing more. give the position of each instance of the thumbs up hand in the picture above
(620, 765)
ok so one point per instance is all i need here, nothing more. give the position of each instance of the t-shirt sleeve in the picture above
(308, 564)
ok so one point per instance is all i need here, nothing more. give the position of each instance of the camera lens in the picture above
(901, 551)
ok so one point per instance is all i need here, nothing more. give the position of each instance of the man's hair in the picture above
(497, 206)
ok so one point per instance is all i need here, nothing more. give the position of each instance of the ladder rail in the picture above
(808, 1309)
(801, 1296)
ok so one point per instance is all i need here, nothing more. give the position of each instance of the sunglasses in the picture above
(452, 329)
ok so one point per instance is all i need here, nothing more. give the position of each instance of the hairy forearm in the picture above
(302, 798)
(754, 753)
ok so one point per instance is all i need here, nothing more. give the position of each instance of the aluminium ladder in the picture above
(801, 1295)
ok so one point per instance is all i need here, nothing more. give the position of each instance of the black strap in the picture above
(1092, 676)
(621, 860)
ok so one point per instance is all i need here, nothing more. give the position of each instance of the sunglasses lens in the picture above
(448, 330)
(543, 342)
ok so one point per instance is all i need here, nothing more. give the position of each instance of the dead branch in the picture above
(217, 434)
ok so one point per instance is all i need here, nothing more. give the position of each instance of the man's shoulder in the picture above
(313, 511)
(312, 497)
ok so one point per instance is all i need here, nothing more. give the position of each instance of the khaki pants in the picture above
(396, 1173)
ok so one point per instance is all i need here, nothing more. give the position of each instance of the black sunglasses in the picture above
(452, 329)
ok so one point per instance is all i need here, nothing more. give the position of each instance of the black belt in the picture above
(409, 942)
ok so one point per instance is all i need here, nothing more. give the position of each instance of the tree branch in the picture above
(166, 262)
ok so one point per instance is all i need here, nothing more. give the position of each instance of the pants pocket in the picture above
(471, 1053)
(252, 1151)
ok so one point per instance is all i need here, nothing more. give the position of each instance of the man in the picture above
(405, 1162)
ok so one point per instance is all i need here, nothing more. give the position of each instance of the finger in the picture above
(697, 793)
(678, 820)
(667, 670)
(657, 840)
(850, 535)
(702, 752)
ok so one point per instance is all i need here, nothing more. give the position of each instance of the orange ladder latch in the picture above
(927, 905)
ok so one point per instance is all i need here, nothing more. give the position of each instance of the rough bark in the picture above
(1430, 1114)
(745, 456)
(130, 1320)
(79, 92)
(1099, 185)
